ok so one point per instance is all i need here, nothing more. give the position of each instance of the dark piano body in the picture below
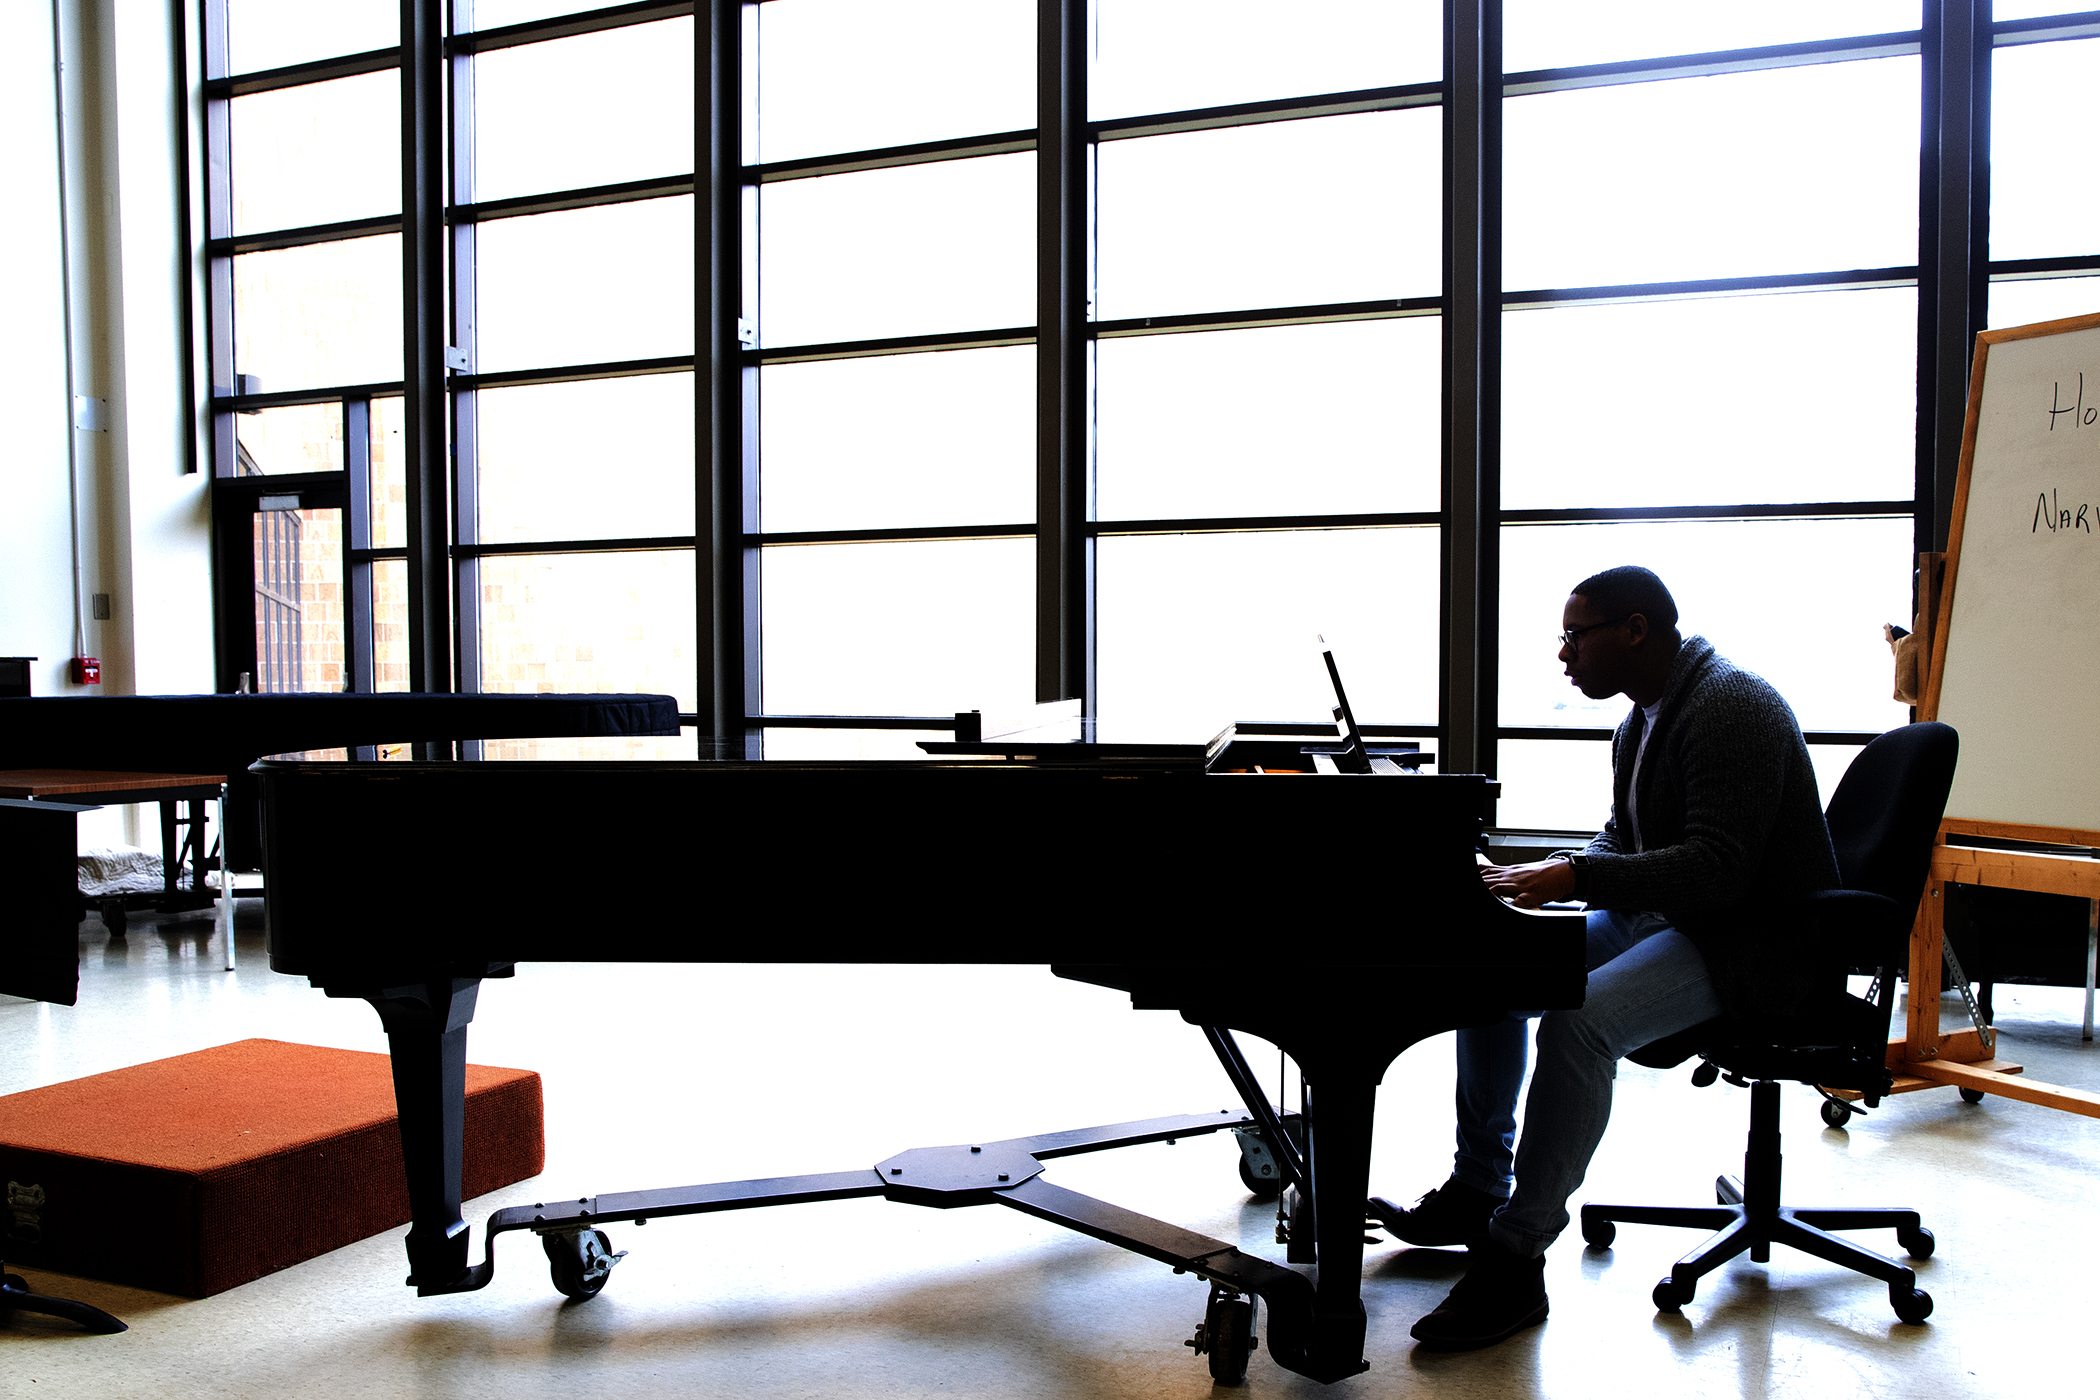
(1339, 917)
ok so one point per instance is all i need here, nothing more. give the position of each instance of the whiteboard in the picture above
(2016, 650)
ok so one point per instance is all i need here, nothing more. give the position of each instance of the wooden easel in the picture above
(2009, 443)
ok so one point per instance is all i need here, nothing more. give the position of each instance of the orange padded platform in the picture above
(194, 1174)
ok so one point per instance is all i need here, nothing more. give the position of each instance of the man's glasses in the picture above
(1572, 638)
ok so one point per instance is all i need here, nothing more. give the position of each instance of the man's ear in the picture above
(1637, 623)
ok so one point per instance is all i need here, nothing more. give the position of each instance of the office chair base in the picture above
(1748, 1219)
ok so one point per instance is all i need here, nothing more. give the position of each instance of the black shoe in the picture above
(1501, 1295)
(1453, 1214)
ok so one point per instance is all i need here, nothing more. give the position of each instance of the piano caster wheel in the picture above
(1836, 1112)
(1226, 1336)
(1262, 1188)
(580, 1260)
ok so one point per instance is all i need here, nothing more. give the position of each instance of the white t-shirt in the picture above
(1633, 783)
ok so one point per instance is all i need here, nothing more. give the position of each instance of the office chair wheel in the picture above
(1598, 1234)
(1912, 1305)
(580, 1261)
(1969, 1095)
(1836, 1112)
(1671, 1296)
(1916, 1243)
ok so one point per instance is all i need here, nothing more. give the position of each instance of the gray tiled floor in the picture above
(697, 1073)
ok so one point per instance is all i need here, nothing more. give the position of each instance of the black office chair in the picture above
(1883, 818)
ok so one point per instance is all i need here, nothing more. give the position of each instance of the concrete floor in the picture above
(665, 1075)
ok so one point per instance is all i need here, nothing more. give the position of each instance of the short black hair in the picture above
(1630, 589)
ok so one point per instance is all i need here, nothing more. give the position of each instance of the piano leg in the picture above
(426, 1029)
(1338, 1111)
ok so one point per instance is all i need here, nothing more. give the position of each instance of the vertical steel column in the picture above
(725, 389)
(180, 13)
(233, 605)
(424, 340)
(1953, 245)
(463, 348)
(1472, 355)
(357, 538)
(1064, 553)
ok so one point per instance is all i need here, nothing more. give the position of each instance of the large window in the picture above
(1118, 348)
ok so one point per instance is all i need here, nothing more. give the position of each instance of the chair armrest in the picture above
(1858, 927)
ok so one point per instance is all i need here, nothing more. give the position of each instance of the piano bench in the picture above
(198, 1173)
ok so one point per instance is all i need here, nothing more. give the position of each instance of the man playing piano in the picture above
(1714, 806)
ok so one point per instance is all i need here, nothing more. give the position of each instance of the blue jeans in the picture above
(1646, 981)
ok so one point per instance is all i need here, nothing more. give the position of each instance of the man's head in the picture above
(1619, 634)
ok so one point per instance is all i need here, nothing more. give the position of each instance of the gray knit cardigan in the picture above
(1729, 820)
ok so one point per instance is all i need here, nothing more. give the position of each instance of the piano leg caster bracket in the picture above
(1009, 1173)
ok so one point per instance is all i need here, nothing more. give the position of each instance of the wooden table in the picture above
(108, 787)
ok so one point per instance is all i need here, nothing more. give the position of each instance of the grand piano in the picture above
(1367, 931)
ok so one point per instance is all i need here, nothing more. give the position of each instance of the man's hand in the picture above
(1529, 886)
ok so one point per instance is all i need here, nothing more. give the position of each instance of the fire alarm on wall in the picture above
(87, 670)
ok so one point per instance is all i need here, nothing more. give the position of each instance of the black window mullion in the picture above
(424, 341)
(725, 390)
(1953, 246)
(1064, 595)
(1472, 370)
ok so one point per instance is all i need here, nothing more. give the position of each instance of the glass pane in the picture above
(595, 109)
(596, 748)
(270, 34)
(1553, 785)
(316, 154)
(586, 286)
(389, 624)
(2050, 299)
(1172, 55)
(918, 628)
(389, 473)
(2003, 10)
(1565, 785)
(1555, 34)
(1283, 214)
(1292, 420)
(1737, 400)
(823, 744)
(2039, 94)
(926, 248)
(299, 601)
(898, 441)
(497, 14)
(845, 75)
(1790, 170)
(564, 623)
(295, 438)
(326, 313)
(595, 459)
(1800, 602)
(1201, 630)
